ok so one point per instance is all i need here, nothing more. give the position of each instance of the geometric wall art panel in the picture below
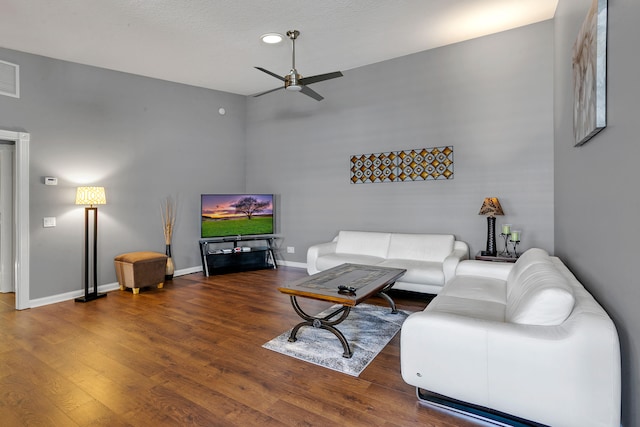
(421, 164)
(378, 167)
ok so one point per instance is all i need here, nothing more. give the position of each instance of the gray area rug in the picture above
(368, 329)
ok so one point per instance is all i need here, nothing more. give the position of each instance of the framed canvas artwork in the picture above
(590, 74)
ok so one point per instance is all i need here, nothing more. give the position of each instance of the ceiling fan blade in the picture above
(293, 80)
(310, 92)
(321, 77)
(270, 73)
(269, 91)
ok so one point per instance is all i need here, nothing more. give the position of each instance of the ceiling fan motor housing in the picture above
(292, 81)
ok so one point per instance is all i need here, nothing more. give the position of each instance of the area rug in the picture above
(368, 329)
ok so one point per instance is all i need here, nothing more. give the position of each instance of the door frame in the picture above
(7, 204)
(21, 215)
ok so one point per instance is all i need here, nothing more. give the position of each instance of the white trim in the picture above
(7, 256)
(293, 264)
(53, 299)
(67, 296)
(21, 215)
(185, 271)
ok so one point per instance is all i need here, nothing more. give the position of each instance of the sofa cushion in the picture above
(477, 287)
(540, 296)
(424, 247)
(363, 243)
(333, 260)
(468, 307)
(418, 271)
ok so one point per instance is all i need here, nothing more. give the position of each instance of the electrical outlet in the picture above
(291, 250)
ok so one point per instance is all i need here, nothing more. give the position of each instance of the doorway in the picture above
(7, 255)
(19, 267)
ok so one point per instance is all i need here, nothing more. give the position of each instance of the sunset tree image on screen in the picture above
(236, 215)
(250, 206)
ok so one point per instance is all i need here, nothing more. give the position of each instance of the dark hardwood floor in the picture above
(190, 354)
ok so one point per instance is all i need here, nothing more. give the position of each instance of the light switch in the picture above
(49, 221)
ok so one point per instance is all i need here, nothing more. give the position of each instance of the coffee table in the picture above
(364, 281)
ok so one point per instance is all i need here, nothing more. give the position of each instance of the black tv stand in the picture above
(234, 253)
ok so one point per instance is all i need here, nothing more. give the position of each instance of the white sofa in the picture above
(524, 339)
(430, 259)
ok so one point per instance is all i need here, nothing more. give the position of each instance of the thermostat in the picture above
(49, 180)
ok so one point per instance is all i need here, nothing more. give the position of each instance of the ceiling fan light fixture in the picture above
(271, 38)
(292, 81)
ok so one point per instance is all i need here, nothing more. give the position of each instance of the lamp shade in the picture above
(90, 196)
(491, 207)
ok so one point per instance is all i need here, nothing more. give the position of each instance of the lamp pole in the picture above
(90, 196)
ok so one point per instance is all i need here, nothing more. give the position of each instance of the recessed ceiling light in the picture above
(271, 38)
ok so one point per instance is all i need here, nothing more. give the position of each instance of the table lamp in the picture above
(90, 196)
(491, 207)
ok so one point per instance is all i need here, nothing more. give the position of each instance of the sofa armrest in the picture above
(459, 253)
(316, 251)
(484, 359)
(494, 270)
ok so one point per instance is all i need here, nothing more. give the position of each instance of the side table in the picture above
(496, 258)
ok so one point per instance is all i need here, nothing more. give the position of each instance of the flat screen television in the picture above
(236, 215)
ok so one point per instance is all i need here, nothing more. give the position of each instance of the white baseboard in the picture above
(53, 299)
(185, 271)
(293, 264)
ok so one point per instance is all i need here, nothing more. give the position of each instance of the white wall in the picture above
(491, 98)
(597, 197)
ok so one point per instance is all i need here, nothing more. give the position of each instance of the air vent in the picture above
(9, 79)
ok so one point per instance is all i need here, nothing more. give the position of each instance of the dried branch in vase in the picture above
(168, 212)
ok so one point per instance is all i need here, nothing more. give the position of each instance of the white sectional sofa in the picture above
(524, 339)
(430, 259)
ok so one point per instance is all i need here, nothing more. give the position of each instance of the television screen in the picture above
(236, 215)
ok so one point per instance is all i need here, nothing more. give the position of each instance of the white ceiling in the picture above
(215, 43)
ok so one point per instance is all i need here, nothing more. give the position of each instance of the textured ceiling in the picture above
(215, 43)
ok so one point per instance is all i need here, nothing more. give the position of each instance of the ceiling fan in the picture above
(294, 81)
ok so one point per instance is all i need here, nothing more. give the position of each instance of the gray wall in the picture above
(596, 190)
(140, 138)
(491, 98)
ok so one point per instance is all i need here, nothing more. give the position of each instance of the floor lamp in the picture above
(491, 207)
(90, 196)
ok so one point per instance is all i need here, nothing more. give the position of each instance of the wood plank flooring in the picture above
(190, 354)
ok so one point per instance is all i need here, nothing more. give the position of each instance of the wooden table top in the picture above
(496, 258)
(367, 279)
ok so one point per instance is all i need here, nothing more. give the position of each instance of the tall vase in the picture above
(170, 269)
(491, 237)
